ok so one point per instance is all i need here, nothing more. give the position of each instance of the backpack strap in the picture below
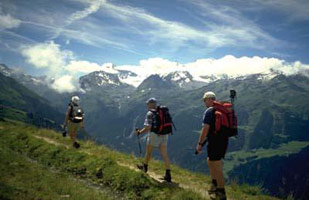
(155, 115)
(71, 110)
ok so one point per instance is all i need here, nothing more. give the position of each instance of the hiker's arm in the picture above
(202, 137)
(67, 116)
(143, 130)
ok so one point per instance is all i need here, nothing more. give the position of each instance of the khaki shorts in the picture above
(156, 140)
(73, 127)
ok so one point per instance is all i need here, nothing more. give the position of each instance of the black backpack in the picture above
(162, 123)
(77, 113)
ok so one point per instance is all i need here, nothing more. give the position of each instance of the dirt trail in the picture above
(188, 185)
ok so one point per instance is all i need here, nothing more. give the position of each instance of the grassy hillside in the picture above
(289, 175)
(41, 164)
(8, 113)
(236, 158)
(38, 111)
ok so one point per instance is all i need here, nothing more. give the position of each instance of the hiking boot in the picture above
(76, 145)
(212, 190)
(213, 187)
(220, 194)
(168, 177)
(143, 167)
(64, 133)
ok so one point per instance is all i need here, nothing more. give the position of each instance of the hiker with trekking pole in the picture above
(158, 125)
(74, 120)
(219, 123)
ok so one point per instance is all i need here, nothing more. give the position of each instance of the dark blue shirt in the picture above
(208, 117)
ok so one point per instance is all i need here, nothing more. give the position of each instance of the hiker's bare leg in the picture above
(148, 153)
(218, 171)
(211, 167)
(163, 151)
(73, 136)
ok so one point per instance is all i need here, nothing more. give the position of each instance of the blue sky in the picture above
(126, 32)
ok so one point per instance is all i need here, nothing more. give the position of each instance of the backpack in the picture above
(77, 113)
(162, 123)
(225, 119)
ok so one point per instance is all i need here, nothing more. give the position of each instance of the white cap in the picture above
(75, 99)
(209, 95)
(151, 100)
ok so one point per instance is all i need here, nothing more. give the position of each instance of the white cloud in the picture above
(242, 66)
(47, 55)
(66, 83)
(82, 66)
(227, 65)
(8, 22)
(158, 65)
(93, 7)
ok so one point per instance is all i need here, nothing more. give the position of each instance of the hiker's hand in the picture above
(198, 148)
(137, 132)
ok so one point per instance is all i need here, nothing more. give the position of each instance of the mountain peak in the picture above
(179, 78)
(5, 70)
(155, 81)
(99, 79)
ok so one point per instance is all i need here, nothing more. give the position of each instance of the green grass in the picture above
(242, 157)
(97, 165)
(12, 114)
(22, 178)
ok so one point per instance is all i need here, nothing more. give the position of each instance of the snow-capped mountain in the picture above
(99, 79)
(23, 78)
(183, 80)
(5, 70)
(106, 83)
(124, 74)
(179, 78)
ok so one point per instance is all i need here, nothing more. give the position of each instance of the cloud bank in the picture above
(66, 68)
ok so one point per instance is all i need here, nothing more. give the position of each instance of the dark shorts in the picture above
(217, 146)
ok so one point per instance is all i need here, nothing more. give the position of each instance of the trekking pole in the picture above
(139, 143)
(232, 96)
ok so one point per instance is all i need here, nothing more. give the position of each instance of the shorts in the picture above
(73, 127)
(156, 140)
(217, 146)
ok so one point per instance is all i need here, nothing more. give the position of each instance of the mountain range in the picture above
(272, 110)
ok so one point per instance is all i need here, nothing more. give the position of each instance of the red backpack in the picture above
(225, 119)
